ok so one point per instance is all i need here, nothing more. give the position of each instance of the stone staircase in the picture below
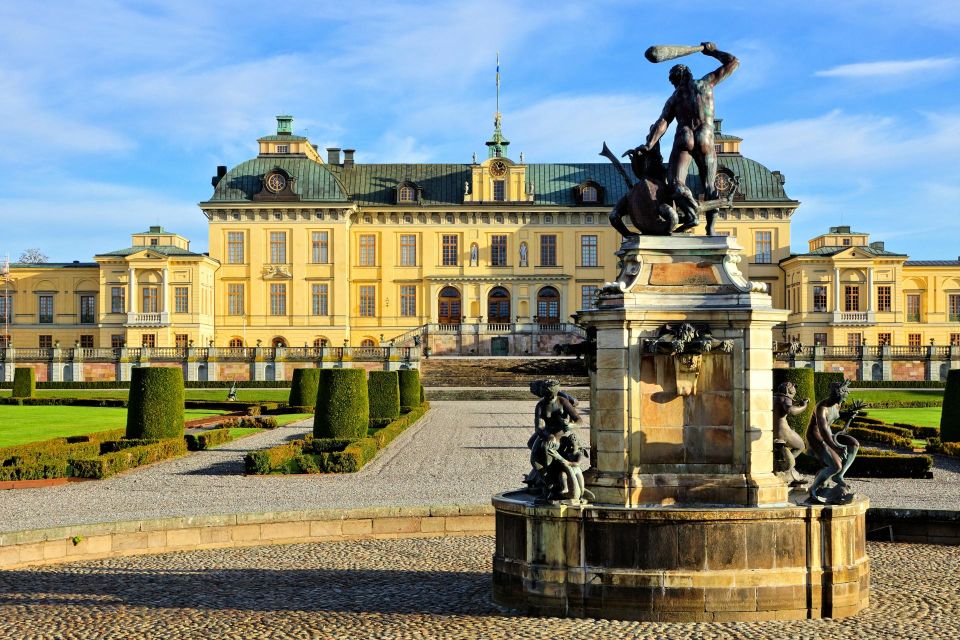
(501, 372)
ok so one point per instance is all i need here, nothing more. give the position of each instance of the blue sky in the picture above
(114, 115)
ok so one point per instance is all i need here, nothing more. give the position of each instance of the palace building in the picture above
(488, 257)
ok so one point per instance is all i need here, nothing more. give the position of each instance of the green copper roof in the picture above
(315, 183)
(375, 184)
(163, 249)
(282, 137)
(833, 250)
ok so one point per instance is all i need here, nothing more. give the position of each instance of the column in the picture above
(131, 291)
(836, 289)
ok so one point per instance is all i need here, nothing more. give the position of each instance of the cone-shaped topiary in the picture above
(950, 414)
(821, 384)
(24, 382)
(409, 389)
(303, 389)
(342, 408)
(383, 388)
(155, 407)
(802, 379)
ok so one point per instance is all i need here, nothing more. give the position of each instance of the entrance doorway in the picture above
(449, 306)
(498, 306)
(548, 306)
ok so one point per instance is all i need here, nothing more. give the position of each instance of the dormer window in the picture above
(283, 148)
(589, 193)
(406, 194)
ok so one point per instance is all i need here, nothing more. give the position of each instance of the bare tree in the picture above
(33, 255)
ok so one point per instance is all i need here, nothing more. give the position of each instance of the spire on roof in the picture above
(497, 144)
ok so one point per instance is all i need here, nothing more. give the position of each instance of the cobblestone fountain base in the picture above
(680, 564)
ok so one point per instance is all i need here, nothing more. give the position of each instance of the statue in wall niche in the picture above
(474, 255)
(786, 440)
(523, 254)
(835, 451)
(556, 454)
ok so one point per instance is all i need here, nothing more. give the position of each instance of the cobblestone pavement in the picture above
(460, 453)
(418, 588)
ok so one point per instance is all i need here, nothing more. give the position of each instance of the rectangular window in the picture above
(914, 339)
(884, 339)
(588, 251)
(451, 250)
(955, 339)
(278, 298)
(763, 242)
(884, 298)
(88, 309)
(181, 340)
(148, 340)
(235, 247)
(118, 299)
(320, 247)
(368, 250)
(283, 148)
(320, 299)
(498, 251)
(408, 300)
(588, 296)
(913, 307)
(278, 247)
(851, 298)
(235, 299)
(45, 342)
(151, 300)
(548, 251)
(819, 298)
(819, 339)
(6, 307)
(953, 307)
(854, 339)
(181, 299)
(499, 190)
(46, 309)
(117, 341)
(408, 250)
(368, 301)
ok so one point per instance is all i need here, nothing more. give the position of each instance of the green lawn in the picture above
(896, 395)
(244, 395)
(19, 425)
(922, 417)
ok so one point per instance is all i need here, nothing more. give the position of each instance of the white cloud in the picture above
(885, 68)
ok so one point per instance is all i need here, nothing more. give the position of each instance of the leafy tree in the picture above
(33, 255)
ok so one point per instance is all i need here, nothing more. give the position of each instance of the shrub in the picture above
(342, 408)
(950, 416)
(109, 464)
(409, 389)
(897, 384)
(24, 382)
(303, 389)
(385, 436)
(383, 389)
(325, 445)
(920, 431)
(112, 446)
(207, 439)
(901, 432)
(880, 437)
(276, 458)
(874, 463)
(155, 407)
(821, 383)
(802, 379)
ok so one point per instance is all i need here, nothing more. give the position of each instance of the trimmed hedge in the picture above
(802, 379)
(67, 402)
(409, 389)
(303, 390)
(875, 463)
(880, 437)
(896, 384)
(920, 431)
(950, 416)
(110, 464)
(383, 389)
(192, 384)
(155, 406)
(207, 439)
(342, 408)
(904, 404)
(24, 382)
(264, 461)
(821, 384)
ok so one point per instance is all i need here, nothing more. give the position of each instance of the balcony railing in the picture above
(148, 319)
(853, 317)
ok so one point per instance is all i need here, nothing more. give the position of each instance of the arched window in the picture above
(279, 341)
(236, 342)
(548, 306)
(498, 306)
(588, 193)
(320, 342)
(449, 306)
(368, 342)
(406, 193)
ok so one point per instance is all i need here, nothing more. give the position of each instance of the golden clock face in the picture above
(723, 184)
(276, 182)
(498, 168)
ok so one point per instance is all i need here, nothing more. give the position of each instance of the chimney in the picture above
(878, 245)
(333, 155)
(717, 123)
(348, 157)
(221, 171)
(779, 177)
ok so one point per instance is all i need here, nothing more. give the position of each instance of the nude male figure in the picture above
(691, 105)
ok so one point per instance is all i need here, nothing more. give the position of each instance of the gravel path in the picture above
(460, 453)
(404, 589)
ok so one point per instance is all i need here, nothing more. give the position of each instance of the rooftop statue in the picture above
(661, 203)
(835, 451)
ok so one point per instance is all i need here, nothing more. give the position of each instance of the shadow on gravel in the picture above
(225, 468)
(251, 590)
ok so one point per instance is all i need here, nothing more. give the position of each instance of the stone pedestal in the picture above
(689, 521)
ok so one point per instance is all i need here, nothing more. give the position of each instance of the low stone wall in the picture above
(85, 542)
(926, 526)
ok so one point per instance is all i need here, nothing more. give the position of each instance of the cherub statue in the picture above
(835, 451)
(784, 405)
(232, 394)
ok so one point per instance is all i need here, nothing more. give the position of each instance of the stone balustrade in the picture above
(877, 363)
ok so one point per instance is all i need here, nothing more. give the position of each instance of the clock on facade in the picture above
(724, 184)
(498, 168)
(276, 182)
